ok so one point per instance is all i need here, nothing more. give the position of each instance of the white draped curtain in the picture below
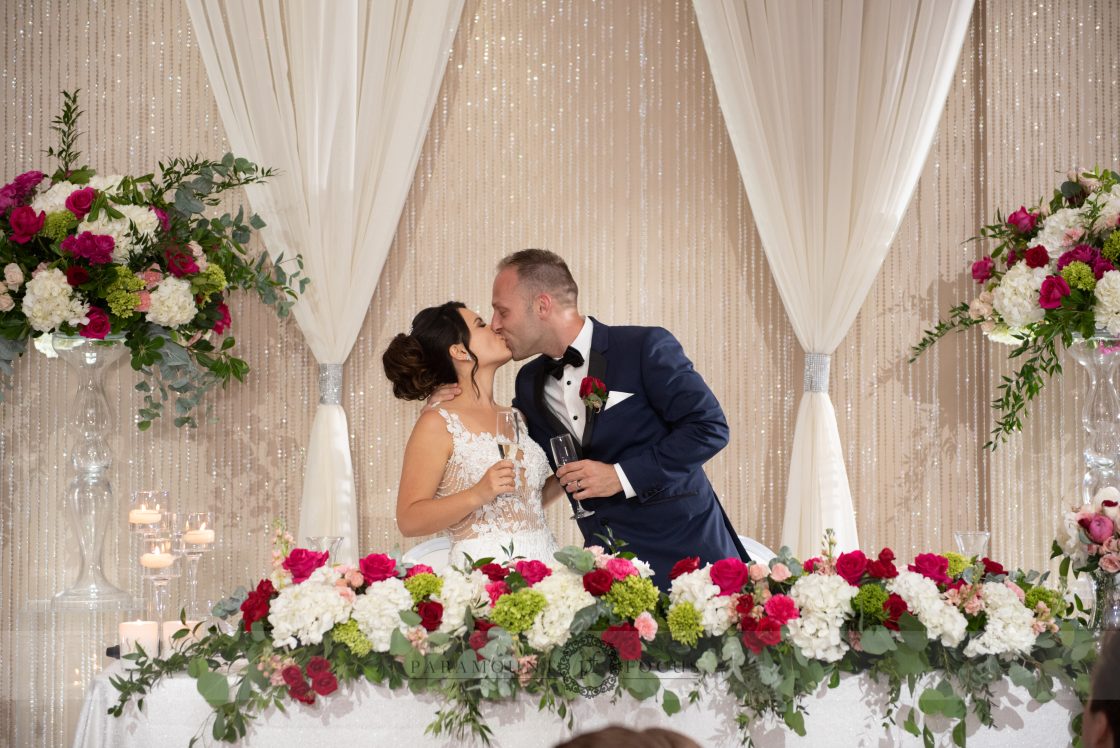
(831, 107)
(336, 97)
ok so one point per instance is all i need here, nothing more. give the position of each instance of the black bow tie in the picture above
(572, 357)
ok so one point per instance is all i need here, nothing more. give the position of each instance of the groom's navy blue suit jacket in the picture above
(661, 436)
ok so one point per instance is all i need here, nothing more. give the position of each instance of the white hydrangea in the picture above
(1016, 297)
(1110, 208)
(140, 216)
(1054, 228)
(696, 587)
(922, 597)
(378, 611)
(49, 301)
(461, 593)
(172, 303)
(563, 590)
(107, 184)
(53, 200)
(1107, 308)
(825, 602)
(1010, 626)
(303, 612)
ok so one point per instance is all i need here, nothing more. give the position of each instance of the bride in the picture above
(453, 480)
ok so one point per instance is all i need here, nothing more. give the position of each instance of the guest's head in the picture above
(1100, 724)
(535, 303)
(448, 344)
(624, 737)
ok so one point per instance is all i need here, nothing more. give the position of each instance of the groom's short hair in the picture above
(543, 272)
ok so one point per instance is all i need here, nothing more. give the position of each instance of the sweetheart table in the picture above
(365, 714)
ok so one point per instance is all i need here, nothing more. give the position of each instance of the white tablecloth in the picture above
(369, 715)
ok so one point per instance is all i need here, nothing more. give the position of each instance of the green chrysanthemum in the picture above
(1111, 249)
(684, 624)
(59, 225)
(209, 282)
(516, 611)
(632, 596)
(957, 563)
(1079, 275)
(350, 635)
(122, 294)
(868, 602)
(1051, 598)
(423, 585)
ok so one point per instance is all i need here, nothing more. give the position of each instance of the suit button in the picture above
(575, 418)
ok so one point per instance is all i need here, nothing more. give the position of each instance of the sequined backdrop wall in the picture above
(591, 128)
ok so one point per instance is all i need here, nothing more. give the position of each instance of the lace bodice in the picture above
(517, 516)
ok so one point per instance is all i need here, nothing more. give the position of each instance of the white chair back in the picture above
(759, 553)
(435, 552)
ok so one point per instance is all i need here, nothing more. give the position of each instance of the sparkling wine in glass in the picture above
(508, 433)
(563, 452)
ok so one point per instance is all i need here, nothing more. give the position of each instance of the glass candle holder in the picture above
(197, 539)
(147, 510)
(158, 563)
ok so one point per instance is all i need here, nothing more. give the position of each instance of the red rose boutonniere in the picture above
(593, 393)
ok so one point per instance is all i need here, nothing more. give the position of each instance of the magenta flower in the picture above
(1023, 220)
(982, 269)
(1054, 289)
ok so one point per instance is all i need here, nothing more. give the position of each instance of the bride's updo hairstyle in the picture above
(419, 363)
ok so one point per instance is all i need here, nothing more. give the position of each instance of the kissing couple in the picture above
(640, 424)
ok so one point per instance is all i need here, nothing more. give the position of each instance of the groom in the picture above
(642, 450)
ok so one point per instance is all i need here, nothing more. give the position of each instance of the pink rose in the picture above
(780, 572)
(646, 626)
(982, 269)
(852, 566)
(620, 568)
(1037, 257)
(1022, 220)
(1110, 562)
(758, 572)
(145, 301)
(729, 574)
(1054, 289)
(6, 302)
(1098, 527)
(26, 223)
(533, 571)
(151, 277)
(80, 201)
(20, 189)
(419, 569)
(782, 609)
(97, 248)
(1016, 589)
(301, 562)
(377, 567)
(931, 566)
(98, 325)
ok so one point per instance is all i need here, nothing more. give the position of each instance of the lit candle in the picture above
(169, 629)
(157, 560)
(201, 536)
(144, 516)
(138, 633)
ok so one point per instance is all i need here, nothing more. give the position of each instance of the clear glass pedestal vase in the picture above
(1100, 415)
(1106, 611)
(89, 500)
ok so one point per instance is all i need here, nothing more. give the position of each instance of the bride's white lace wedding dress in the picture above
(516, 518)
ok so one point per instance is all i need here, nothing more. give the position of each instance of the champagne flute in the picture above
(508, 435)
(563, 452)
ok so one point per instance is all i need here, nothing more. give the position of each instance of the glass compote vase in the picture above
(1106, 612)
(89, 496)
(329, 543)
(1100, 415)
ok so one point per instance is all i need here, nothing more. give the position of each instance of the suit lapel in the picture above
(558, 427)
(596, 367)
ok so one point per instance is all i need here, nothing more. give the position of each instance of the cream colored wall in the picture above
(592, 129)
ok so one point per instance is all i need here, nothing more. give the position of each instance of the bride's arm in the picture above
(425, 457)
(552, 490)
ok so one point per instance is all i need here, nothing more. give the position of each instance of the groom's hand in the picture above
(588, 479)
(442, 395)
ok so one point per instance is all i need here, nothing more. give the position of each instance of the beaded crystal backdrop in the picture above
(593, 129)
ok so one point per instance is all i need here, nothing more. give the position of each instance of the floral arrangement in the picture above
(134, 259)
(1089, 545)
(1052, 275)
(492, 629)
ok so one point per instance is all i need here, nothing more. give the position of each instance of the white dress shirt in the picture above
(562, 396)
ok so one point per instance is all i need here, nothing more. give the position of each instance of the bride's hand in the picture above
(442, 395)
(496, 481)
